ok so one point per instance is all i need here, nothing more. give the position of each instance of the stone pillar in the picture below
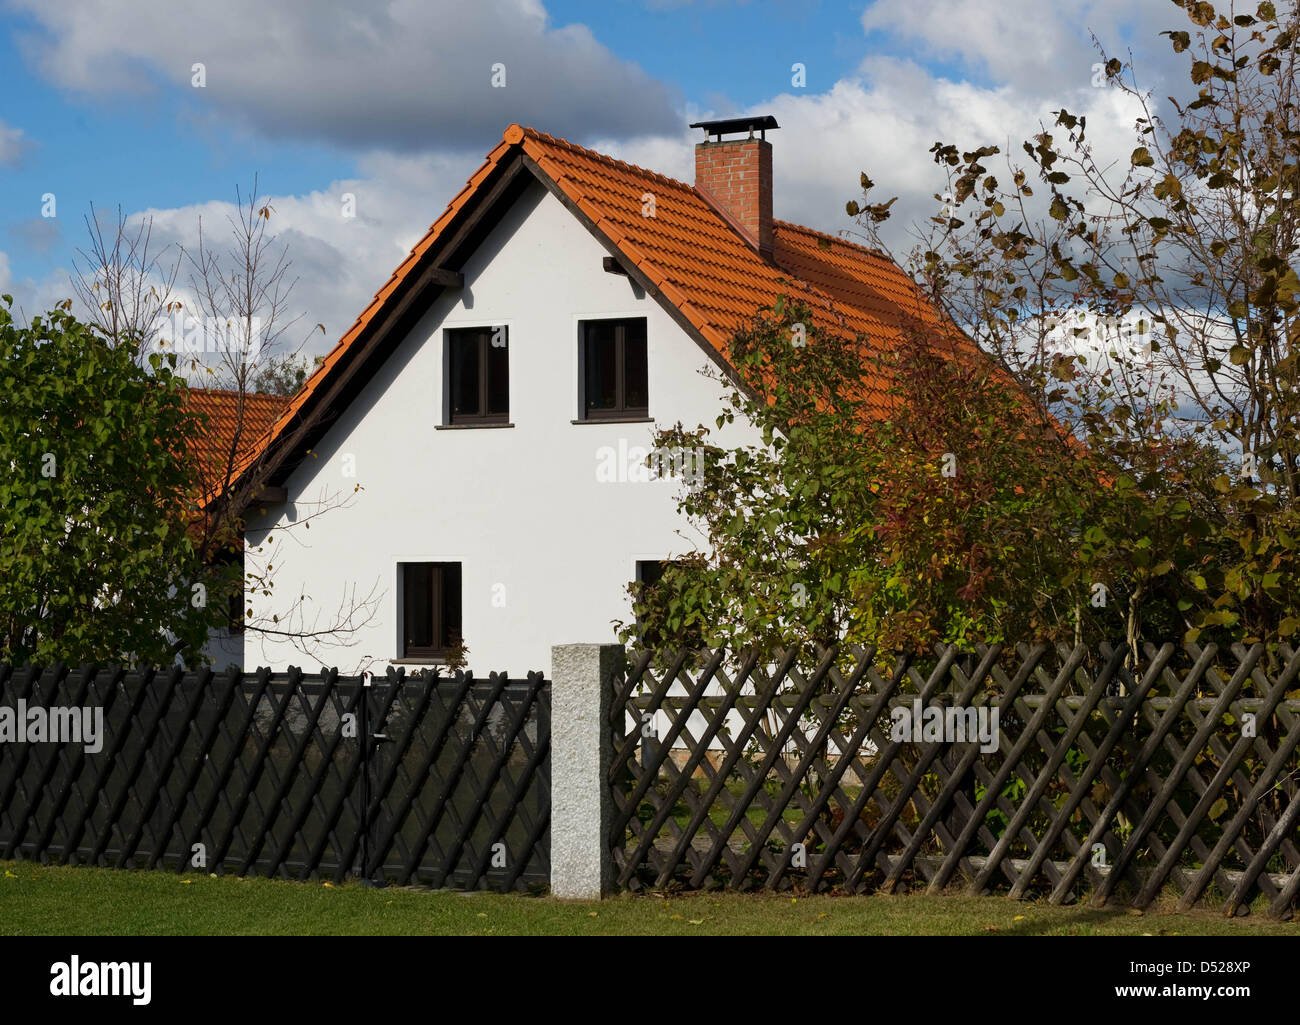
(582, 693)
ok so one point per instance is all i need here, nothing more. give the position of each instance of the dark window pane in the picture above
(498, 374)
(635, 374)
(450, 603)
(464, 374)
(417, 595)
(600, 388)
(650, 571)
(615, 376)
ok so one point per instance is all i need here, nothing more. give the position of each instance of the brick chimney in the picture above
(735, 175)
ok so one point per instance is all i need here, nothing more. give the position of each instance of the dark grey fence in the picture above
(437, 781)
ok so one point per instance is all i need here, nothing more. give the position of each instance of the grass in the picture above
(46, 900)
(720, 812)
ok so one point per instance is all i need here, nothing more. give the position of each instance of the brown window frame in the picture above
(445, 614)
(621, 410)
(484, 336)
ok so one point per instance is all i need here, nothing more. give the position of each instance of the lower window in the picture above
(430, 608)
(648, 571)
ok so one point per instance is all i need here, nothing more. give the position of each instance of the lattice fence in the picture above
(792, 773)
(411, 780)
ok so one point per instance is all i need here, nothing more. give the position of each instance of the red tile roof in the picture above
(692, 255)
(222, 411)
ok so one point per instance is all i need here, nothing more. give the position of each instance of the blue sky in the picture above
(96, 106)
(717, 52)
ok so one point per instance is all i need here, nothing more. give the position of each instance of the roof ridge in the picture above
(237, 391)
(869, 250)
(604, 158)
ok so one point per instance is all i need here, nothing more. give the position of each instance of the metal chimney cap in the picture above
(737, 124)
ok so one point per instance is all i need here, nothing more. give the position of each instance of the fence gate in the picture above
(458, 782)
(435, 781)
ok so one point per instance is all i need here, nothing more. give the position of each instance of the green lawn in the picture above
(88, 901)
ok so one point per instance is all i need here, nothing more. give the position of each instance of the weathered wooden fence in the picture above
(800, 773)
(405, 779)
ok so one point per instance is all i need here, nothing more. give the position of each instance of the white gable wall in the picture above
(546, 549)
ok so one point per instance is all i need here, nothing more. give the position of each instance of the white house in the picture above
(473, 444)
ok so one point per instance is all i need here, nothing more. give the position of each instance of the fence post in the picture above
(582, 678)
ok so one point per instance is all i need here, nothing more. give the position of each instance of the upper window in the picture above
(614, 378)
(430, 608)
(478, 375)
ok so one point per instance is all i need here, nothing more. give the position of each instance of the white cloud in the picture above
(1039, 48)
(1009, 65)
(338, 262)
(33, 296)
(13, 144)
(407, 75)
(883, 121)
